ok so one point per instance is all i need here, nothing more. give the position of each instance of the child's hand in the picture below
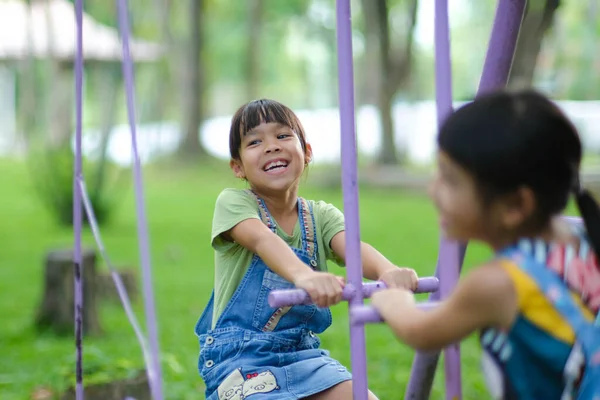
(390, 302)
(403, 278)
(324, 289)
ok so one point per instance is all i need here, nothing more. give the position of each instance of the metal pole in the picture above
(350, 192)
(496, 70)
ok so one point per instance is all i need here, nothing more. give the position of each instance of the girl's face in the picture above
(460, 209)
(464, 216)
(271, 158)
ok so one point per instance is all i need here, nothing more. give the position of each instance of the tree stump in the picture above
(137, 388)
(57, 308)
(106, 288)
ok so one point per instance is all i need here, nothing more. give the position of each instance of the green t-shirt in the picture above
(232, 260)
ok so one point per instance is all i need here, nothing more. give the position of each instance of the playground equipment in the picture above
(496, 69)
(509, 14)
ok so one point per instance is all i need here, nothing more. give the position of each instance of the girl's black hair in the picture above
(252, 114)
(512, 139)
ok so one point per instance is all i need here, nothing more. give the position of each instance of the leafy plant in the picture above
(100, 368)
(52, 173)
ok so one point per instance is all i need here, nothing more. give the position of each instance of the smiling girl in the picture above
(267, 238)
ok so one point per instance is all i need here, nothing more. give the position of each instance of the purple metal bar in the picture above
(451, 254)
(350, 191)
(142, 226)
(451, 263)
(77, 209)
(443, 65)
(502, 45)
(368, 314)
(496, 69)
(283, 298)
(451, 260)
(424, 364)
(121, 291)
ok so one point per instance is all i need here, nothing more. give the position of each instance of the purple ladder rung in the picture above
(283, 298)
(369, 315)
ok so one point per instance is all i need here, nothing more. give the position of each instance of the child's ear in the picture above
(237, 168)
(308, 154)
(518, 207)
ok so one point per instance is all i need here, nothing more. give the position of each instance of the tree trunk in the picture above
(371, 61)
(191, 147)
(538, 20)
(60, 96)
(388, 154)
(164, 68)
(137, 388)
(591, 46)
(28, 101)
(106, 288)
(56, 311)
(110, 79)
(61, 105)
(255, 11)
(393, 64)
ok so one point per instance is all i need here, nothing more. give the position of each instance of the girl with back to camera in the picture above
(267, 238)
(507, 164)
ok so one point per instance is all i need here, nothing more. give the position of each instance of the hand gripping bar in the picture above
(290, 297)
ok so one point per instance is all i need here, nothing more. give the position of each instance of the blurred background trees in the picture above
(198, 60)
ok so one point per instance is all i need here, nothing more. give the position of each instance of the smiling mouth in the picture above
(275, 166)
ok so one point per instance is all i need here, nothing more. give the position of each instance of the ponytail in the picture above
(590, 213)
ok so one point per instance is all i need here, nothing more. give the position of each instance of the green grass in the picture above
(179, 209)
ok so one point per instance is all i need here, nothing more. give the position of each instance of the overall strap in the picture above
(561, 298)
(306, 220)
(309, 230)
(265, 217)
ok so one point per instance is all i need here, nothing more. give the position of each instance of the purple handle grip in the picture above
(282, 298)
(368, 314)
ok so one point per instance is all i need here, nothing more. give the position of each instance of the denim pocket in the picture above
(267, 318)
(273, 281)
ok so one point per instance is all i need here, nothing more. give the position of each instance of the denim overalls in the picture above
(259, 352)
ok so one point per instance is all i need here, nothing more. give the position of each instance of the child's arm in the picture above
(376, 266)
(325, 289)
(484, 298)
